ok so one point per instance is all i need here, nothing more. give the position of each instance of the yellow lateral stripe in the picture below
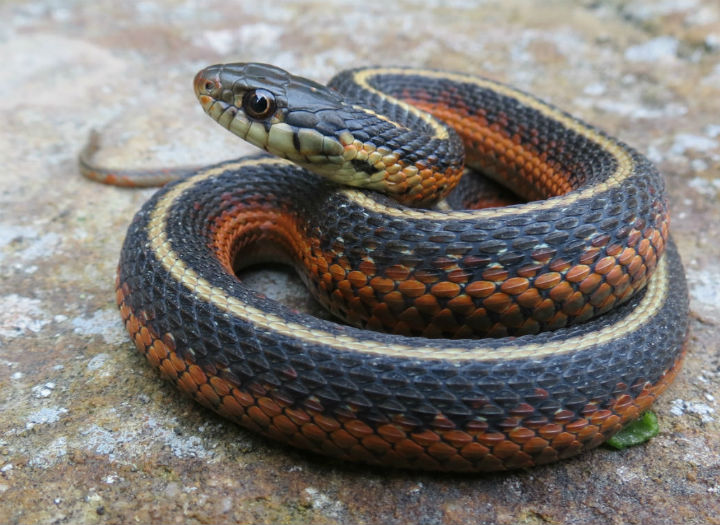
(651, 303)
(361, 78)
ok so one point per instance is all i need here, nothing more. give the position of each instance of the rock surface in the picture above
(89, 433)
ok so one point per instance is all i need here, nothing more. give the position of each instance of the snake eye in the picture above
(259, 103)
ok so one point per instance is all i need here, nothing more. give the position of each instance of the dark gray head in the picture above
(260, 93)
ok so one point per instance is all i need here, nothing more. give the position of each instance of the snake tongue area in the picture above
(583, 290)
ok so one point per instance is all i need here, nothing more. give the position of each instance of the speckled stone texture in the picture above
(88, 431)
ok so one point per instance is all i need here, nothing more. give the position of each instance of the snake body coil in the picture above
(583, 339)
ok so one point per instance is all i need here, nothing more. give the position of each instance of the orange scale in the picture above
(604, 265)
(544, 310)
(528, 327)
(395, 301)
(326, 281)
(505, 449)
(230, 408)
(145, 337)
(512, 317)
(358, 428)
(382, 284)
(573, 304)
(630, 413)
(587, 433)
(425, 438)
(345, 289)
(155, 354)
(445, 289)
(391, 433)
(209, 394)
(441, 450)
(259, 417)
(197, 374)
(563, 440)
(561, 292)
(491, 439)
(367, 267)
(547, 280)
(599, 416)
(186, 383)
(409, 448)
(474, 451)
(634, 237)
(622, 285)
(589, 256)
(376, 444)
(515, 285)
(611, 423)
(534, 445)
(457, 438)
(545, 456)
(590, 283)
(529, 298)
(573, 449)
(397, 272)
(600, 294)
(269, 406)
(521, 434)
(643, 247)
(613, 276)
(480, 289)
(519, 460)
(411, 288)
(626, 256)
(577, 273)
(313, 432)
(343, 439)
(244, 398)
(328, 424)
(168, 370)
(427, 304)
(575, 426)
(462, 305)
(357, 279)
(497, 302)
(367, 295)
(132, 325)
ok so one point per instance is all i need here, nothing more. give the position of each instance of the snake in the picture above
(464, 337)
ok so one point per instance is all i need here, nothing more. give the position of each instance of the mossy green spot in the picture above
(637, 432)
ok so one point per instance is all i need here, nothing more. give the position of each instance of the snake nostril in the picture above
(204, 85)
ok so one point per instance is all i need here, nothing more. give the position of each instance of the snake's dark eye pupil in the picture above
(259, 103)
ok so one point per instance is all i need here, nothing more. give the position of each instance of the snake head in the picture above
(286, 115)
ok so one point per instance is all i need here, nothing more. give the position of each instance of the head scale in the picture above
(268, 107)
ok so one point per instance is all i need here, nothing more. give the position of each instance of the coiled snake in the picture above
(502, 337)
